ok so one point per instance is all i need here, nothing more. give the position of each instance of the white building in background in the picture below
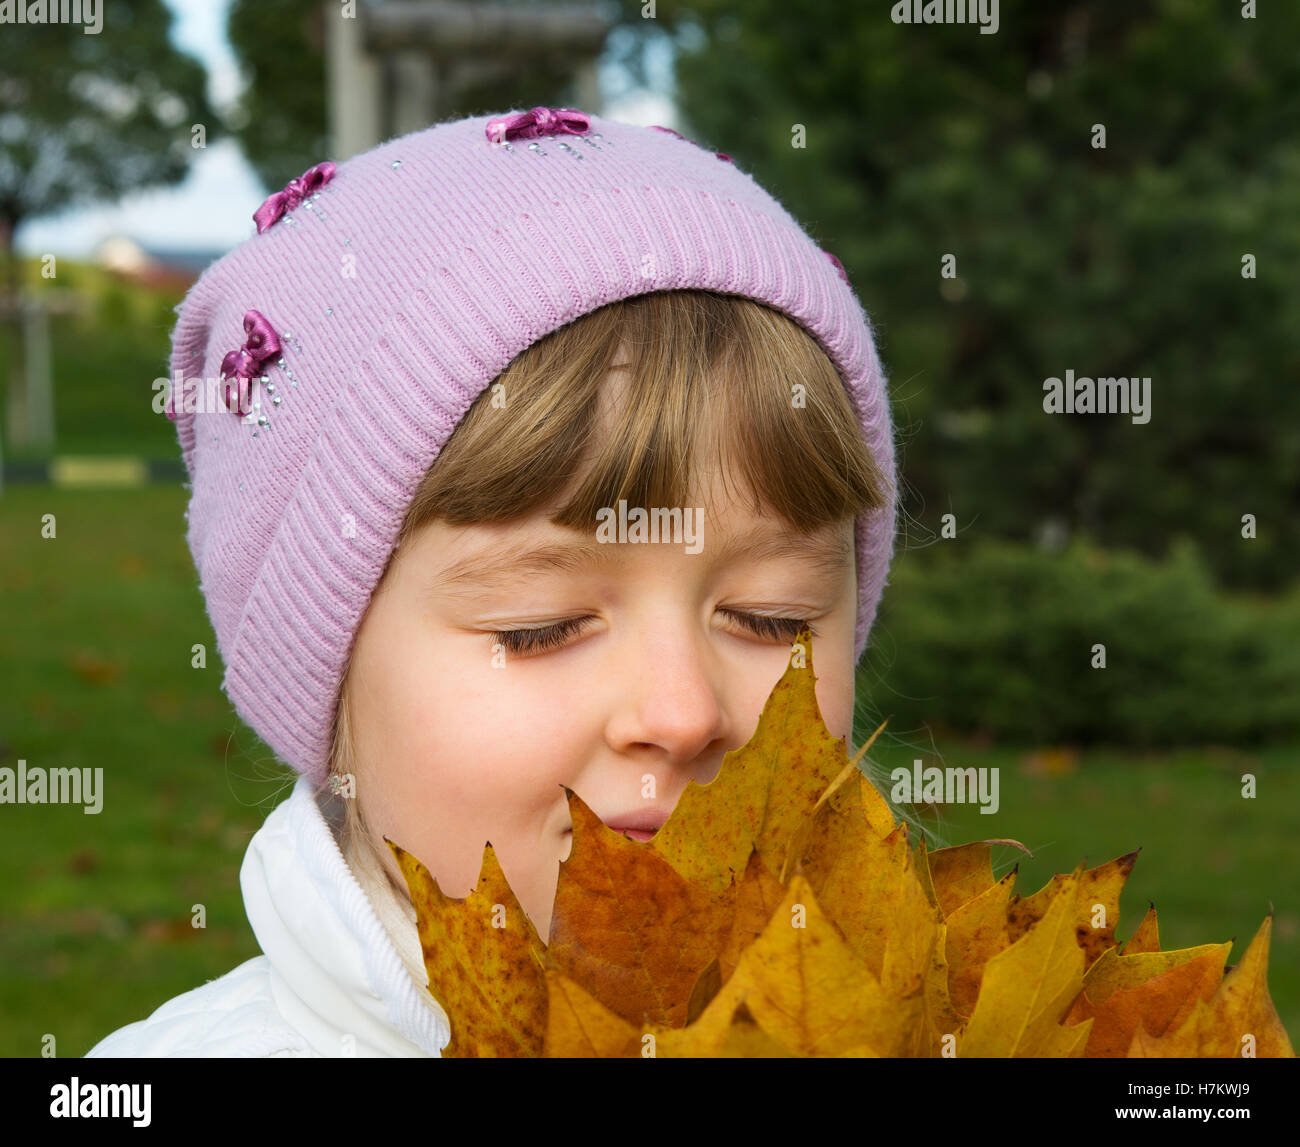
(150, 264)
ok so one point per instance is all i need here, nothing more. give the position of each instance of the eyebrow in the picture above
(488, 570)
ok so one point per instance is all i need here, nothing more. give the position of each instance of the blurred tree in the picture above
(87, 117)
(929, 140)
(282, 118)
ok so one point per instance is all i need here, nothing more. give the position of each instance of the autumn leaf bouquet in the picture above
(782, 910)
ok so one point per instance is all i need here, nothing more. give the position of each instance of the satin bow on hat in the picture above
(538, 121)
(838, 266)
(722, 155)
(260, 346)
(294, 192)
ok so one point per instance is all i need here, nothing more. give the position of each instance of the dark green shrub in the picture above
(998, 639)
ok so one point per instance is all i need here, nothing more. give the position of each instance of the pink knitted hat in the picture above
(380, 297)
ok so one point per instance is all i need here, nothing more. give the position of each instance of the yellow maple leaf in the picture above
(628, 926)
(1238, 1021)
(1152, 990)
(803, 985)
(1147, 936)
(1027, 990)
(485, 957)
(1098, 900)
(977, 931)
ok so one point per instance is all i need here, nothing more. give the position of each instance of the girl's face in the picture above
(499, 662)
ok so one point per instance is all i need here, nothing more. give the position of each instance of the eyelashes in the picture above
(551, 636)
(537, 640)
(786, 628)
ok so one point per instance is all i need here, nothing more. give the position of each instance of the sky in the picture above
(212, 208)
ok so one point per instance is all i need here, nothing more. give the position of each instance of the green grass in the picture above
(98, 625)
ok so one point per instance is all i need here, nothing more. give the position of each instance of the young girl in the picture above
(431, 413)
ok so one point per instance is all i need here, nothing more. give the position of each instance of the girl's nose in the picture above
(667, 702)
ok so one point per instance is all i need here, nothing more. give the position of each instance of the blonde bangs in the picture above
(707, 384)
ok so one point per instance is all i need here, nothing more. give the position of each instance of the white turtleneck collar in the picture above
(338, 969)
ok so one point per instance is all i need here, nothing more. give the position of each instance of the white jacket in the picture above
(330, 981)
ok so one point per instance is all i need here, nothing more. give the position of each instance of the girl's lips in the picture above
(639, 824)
(638, 834)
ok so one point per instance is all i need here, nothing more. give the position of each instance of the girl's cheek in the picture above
(481, 757)
(835, 699)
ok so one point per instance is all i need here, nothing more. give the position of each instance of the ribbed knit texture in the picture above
(409, 289)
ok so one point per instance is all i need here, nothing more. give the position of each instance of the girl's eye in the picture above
(525, 641)
(537, 640)
(775, 628)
